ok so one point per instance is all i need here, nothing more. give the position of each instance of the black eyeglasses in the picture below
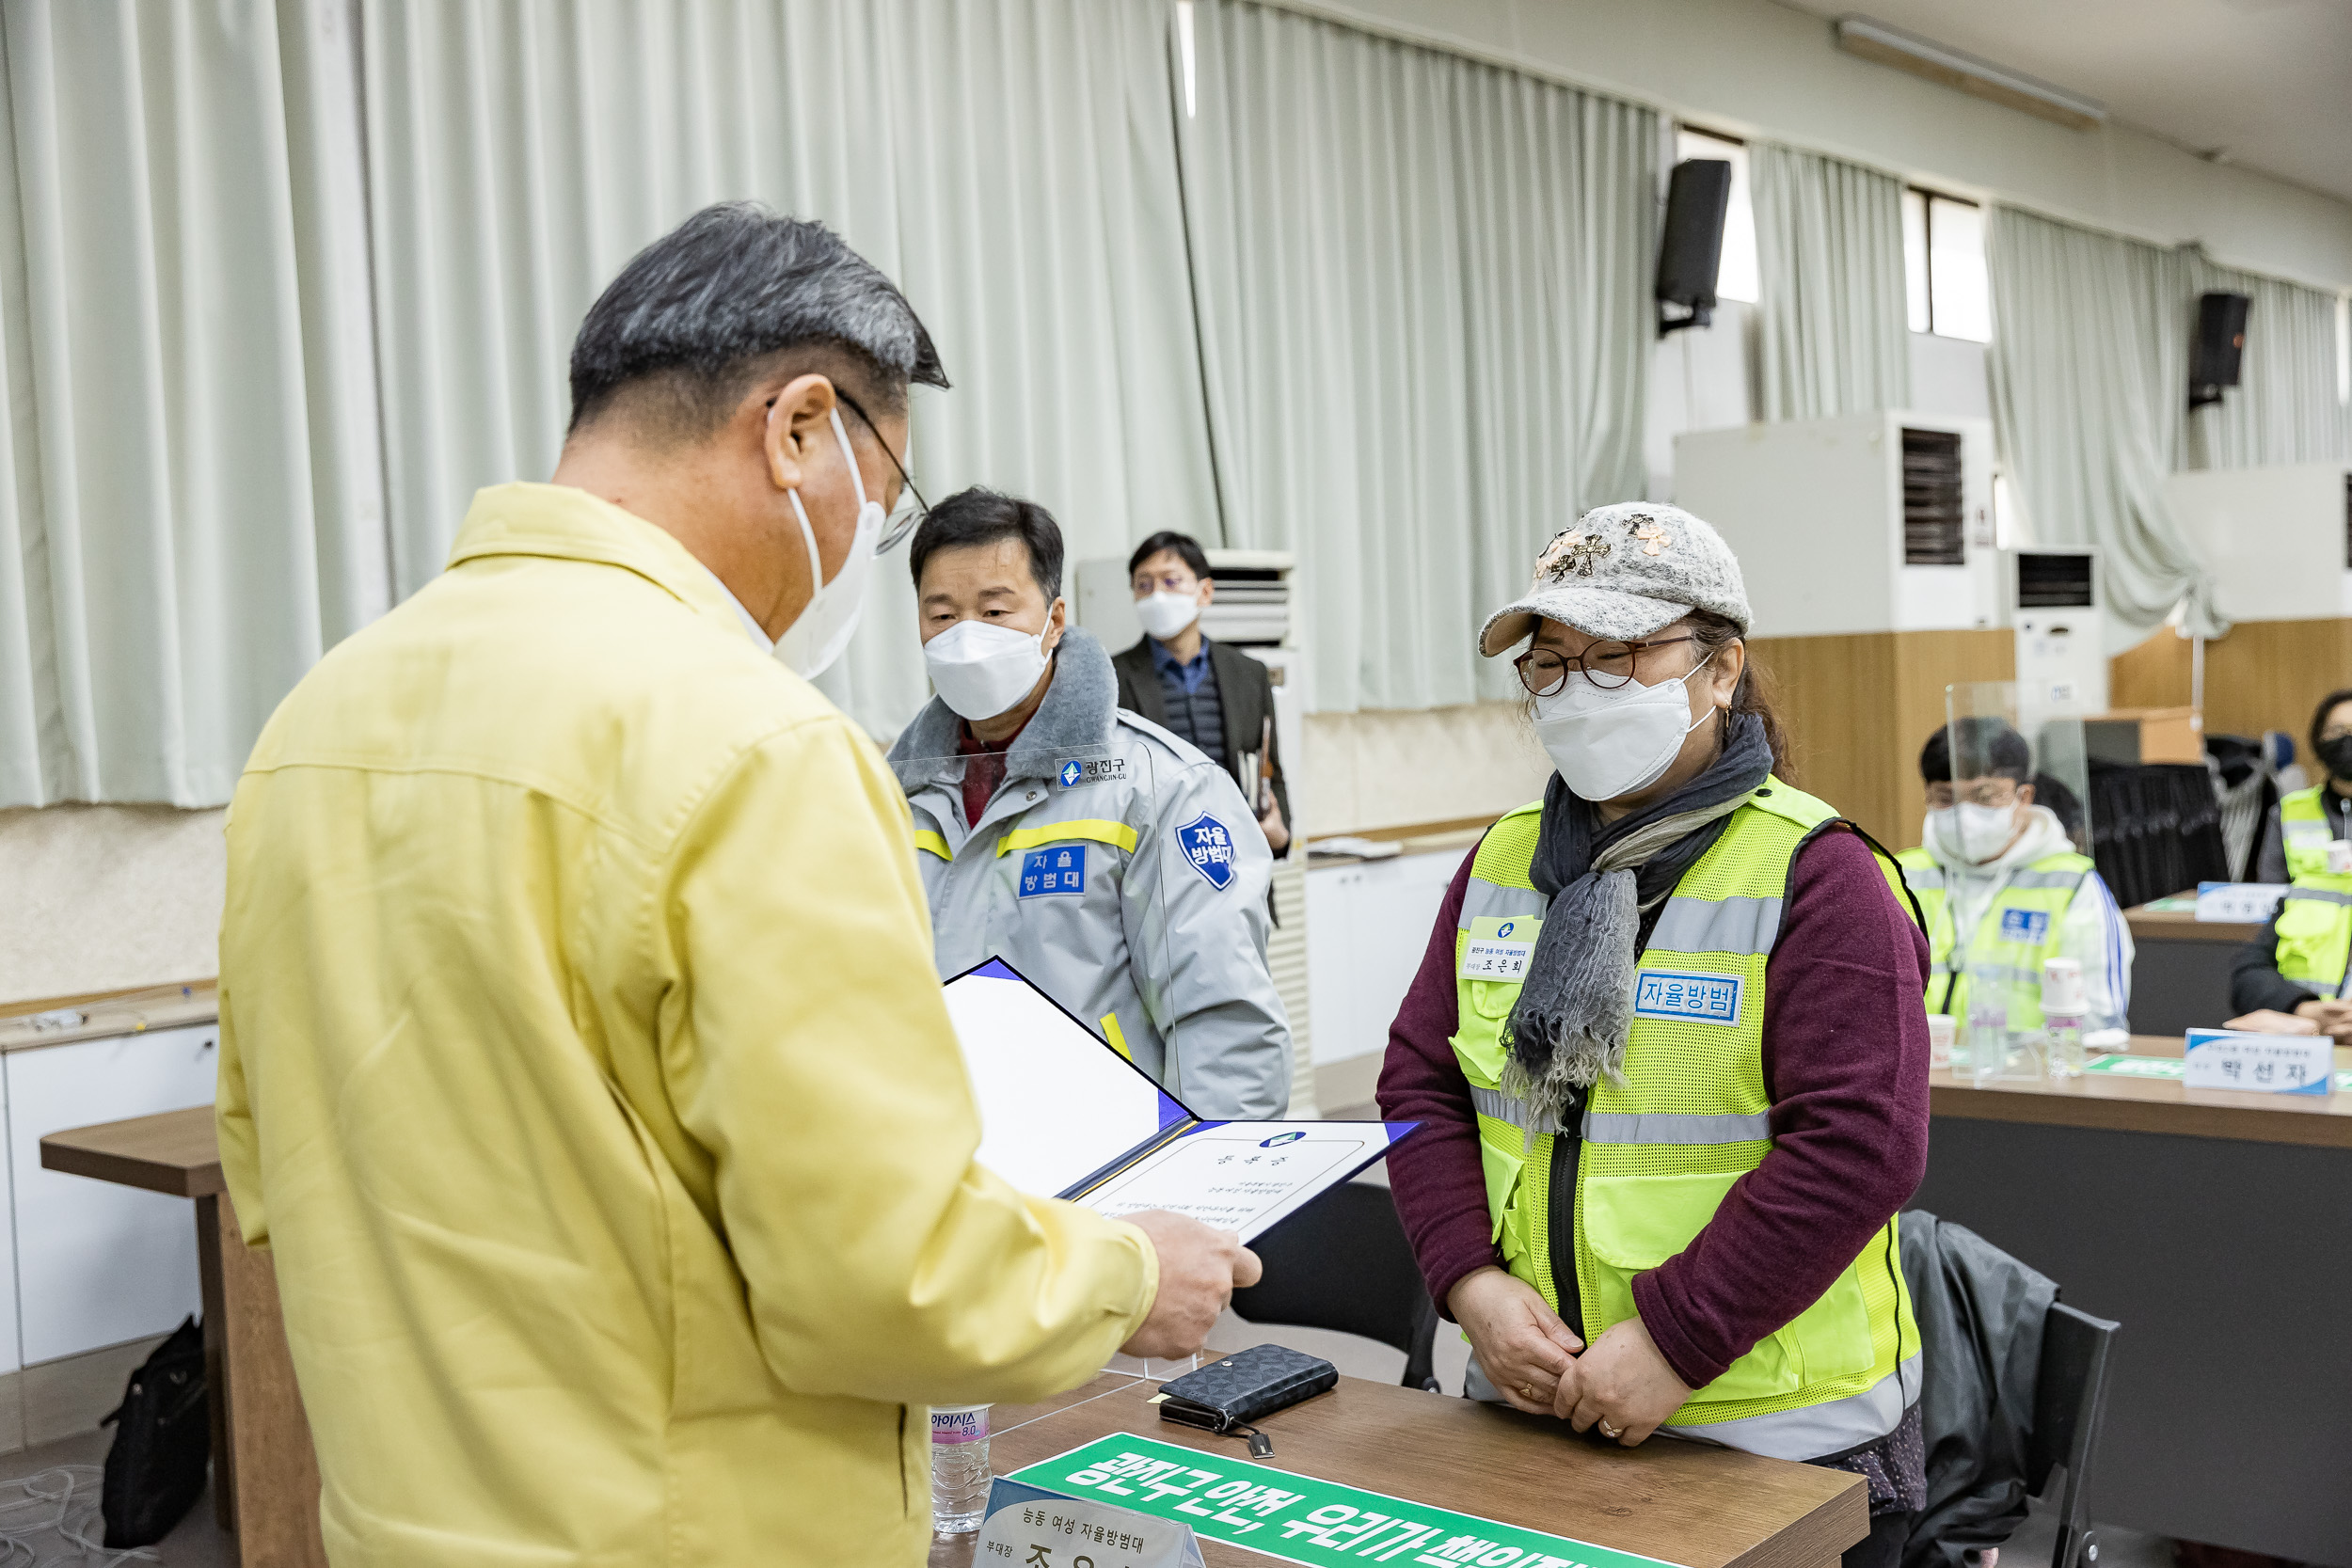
(906, 519)
(1607, 665)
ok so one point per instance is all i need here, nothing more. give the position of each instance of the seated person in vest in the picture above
(1217, 697)
(1667, 1049)
(1112, 864)
(2290, 980)
(2003, 888)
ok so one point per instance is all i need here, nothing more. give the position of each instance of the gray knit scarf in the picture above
(1576, 1006)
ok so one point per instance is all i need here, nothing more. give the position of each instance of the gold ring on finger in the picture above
(1607, 1431)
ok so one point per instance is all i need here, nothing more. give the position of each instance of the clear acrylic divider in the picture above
(2015, 771)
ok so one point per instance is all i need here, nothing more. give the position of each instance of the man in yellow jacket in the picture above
(583, 1061)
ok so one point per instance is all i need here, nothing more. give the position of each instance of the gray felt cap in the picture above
(1624, 571)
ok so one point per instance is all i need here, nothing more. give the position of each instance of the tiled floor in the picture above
(197, 1542)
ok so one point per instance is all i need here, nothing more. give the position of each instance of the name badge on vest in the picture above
(1499, 949)
(1060, 868)
(2026, 925)
(1687, 998)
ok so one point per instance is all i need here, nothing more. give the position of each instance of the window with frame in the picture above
(1735, 275)
(1944, 266)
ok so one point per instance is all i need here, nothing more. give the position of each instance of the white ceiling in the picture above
(2267, 82)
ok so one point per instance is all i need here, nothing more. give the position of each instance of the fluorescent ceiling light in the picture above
(1876, 41)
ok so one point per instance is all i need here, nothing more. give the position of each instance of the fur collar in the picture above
(1077, 715)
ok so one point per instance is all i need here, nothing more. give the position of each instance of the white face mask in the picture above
(812, 642)
(1611, 742)
(1970, 833)
(982, 670)
(1165, 615)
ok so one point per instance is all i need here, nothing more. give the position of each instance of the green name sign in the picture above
(1294, 1518)
(2167, 1066)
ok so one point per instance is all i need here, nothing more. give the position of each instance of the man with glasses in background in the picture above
(2002, 886)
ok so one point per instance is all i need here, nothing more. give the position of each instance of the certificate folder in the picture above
(1063, 1111)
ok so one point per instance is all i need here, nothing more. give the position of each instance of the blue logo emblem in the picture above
(1208, 845)
(1505, 929)
(1071, 772)
(1687, 998)
(1061, 868)
(1281, 1139)
(2026, 925)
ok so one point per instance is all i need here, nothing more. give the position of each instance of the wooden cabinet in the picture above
(99, 1264)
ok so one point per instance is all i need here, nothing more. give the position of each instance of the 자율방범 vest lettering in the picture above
(2016, 932)
(2315, 929)
(1690, 1118)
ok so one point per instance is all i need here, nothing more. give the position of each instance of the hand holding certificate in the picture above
(1062, 1113)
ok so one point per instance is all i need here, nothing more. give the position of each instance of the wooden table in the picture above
(266, 1477)
(2212, 1223)
(1702, 1507)
(2181, 969)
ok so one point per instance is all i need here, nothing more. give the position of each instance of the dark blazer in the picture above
(1245, 688)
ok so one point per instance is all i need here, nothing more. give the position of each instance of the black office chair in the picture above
(1343, 1262)
(2070, 1384)
(2070, 1396)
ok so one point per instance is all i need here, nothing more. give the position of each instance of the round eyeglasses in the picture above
(1607, 665)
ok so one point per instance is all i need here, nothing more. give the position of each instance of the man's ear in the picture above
(797, 414)
(2025, 795)
(1056, 623)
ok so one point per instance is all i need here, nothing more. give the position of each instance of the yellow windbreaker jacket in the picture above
(583, 1065)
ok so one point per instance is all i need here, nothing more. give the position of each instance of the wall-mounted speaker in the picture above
(1698, 197)
(2212, 358)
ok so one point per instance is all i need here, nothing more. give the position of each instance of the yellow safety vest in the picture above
(2010, 940)
(2314, 927)
(1691, 1116)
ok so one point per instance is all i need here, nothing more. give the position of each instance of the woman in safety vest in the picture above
(1668, 1051)
(2291, 979)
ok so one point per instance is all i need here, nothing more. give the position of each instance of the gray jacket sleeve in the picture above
(1196, 949)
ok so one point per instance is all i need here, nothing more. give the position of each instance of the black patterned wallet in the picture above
(1239, 1388)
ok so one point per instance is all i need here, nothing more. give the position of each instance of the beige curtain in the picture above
(1832, 326)
(190, 497)
(1009, 162)
(1422, 285)
(2285, 408)
(2086, 367)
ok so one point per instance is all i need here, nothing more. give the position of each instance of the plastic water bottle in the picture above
(2062, 1008)
(960, 1472)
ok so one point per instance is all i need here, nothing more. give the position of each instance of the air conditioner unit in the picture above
(2053, 597)
(1862, 523)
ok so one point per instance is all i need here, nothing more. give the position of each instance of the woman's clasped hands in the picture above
(1622, 1386)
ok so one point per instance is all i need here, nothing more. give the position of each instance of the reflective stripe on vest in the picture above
(932, 843)
(2043, 889)
(1117, 833)
(2306, 831)
(1690, 1116)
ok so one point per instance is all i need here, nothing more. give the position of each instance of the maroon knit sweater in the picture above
(1846, 1065)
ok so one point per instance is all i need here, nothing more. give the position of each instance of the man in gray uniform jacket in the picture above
(1112, 864)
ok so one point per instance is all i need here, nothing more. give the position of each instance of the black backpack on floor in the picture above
(162, 1442)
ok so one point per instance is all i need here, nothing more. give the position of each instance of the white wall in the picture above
(98, 898)
(1756, 69)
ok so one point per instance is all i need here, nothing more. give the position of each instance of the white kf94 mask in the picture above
(1165, 615)
(811, 643)
(1610, 742)
(980, 669)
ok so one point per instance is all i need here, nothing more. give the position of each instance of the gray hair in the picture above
(731, 285)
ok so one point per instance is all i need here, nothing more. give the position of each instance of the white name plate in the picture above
(2245, 903)
(2265, 1064)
